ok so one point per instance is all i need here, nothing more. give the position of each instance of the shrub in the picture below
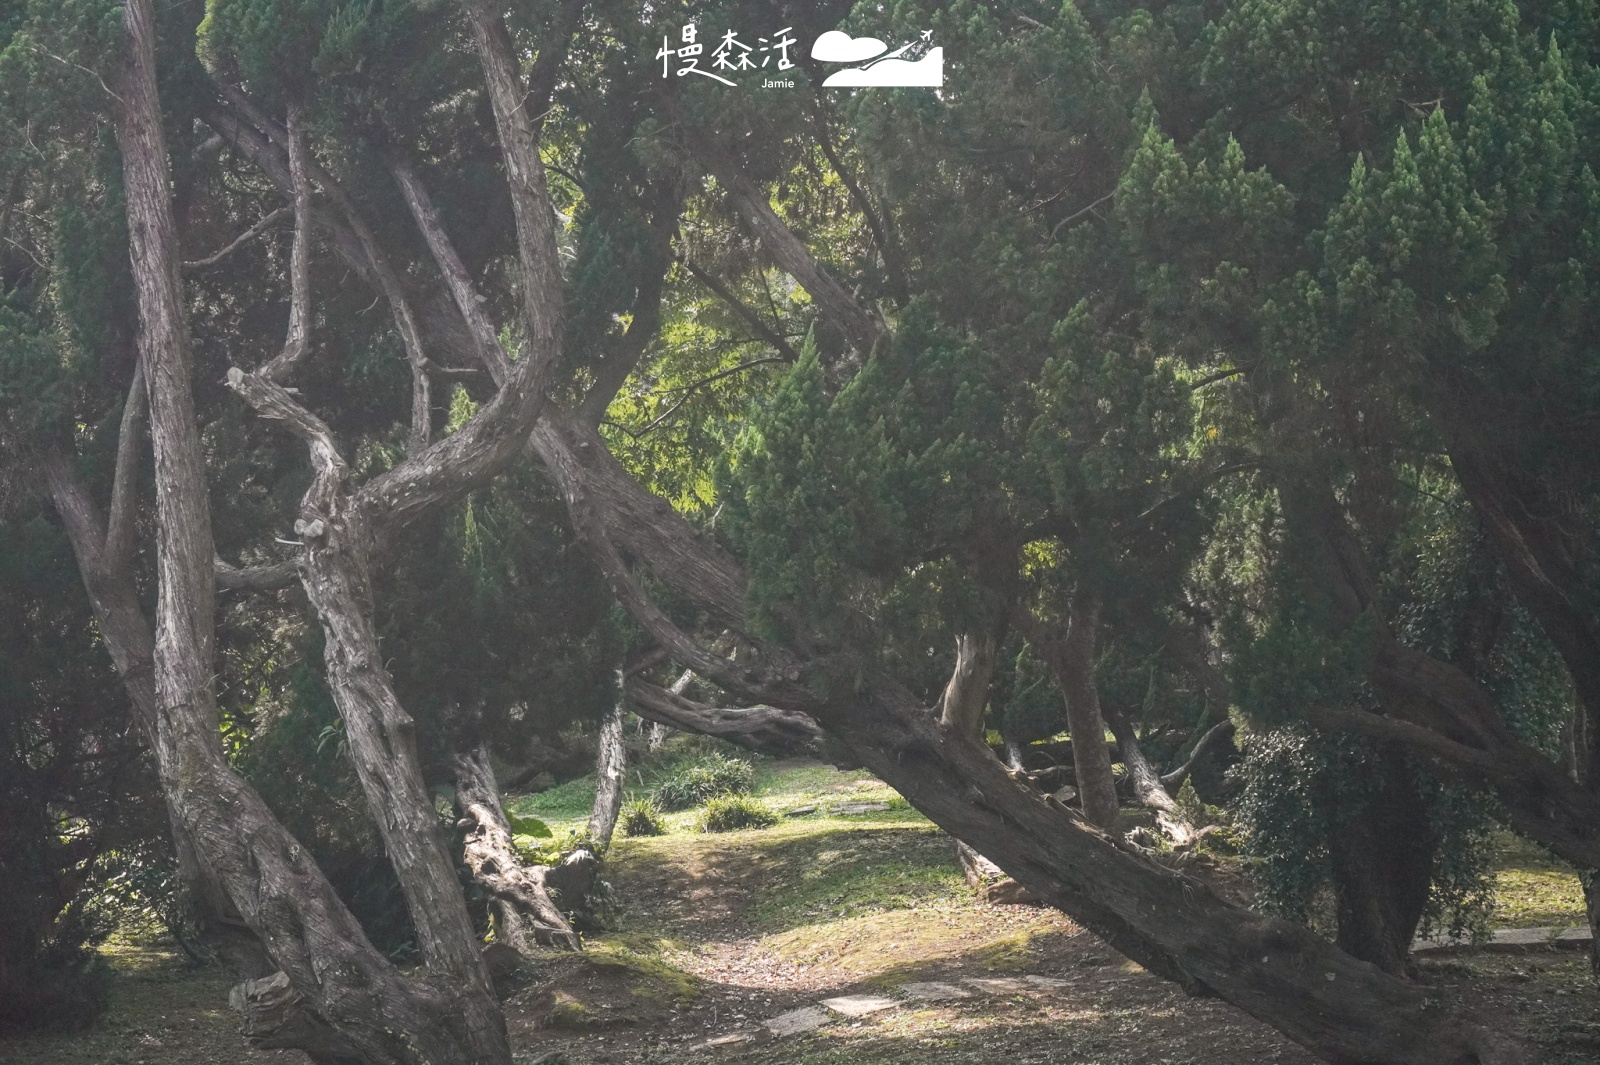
(641, 818)
(715, 775)
(728, 813)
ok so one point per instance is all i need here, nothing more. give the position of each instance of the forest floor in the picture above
(713, 934)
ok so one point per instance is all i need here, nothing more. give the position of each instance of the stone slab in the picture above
(1048, 983)
(998, 985)
(731, 1039)
(799, 811)
(1509, 940)
(859, 808)
(933, 991)
(794, 1022)
(859, 1005)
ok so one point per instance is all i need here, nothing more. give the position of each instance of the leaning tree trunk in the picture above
(1341, 1008)
(523, 914)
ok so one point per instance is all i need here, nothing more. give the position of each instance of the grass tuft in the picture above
(641, 818)
(729, 813)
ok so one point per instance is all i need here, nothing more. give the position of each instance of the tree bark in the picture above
(1337, 1006)
(610, 770)
(523, 914)
(1073, 663)
(966, 695)
(1147, 785)
(1143, 780)
(1591, 904)
(765, 729)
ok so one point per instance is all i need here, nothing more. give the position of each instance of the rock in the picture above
(731, 1039)
(800, 811)
(932, 991)
(859, 1005)
(795, 1021)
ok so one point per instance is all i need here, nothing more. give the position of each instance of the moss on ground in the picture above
(654, 977)
(1532, 889)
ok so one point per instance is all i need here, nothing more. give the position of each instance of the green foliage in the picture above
(532, 827)
(731, 813)
(76, 795)
(641, 818)
(706, 779)
(1300, 787)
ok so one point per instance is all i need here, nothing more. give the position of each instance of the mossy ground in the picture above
(714, 933)
(1533, 890)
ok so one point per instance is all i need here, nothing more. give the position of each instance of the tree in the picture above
(1008, 415)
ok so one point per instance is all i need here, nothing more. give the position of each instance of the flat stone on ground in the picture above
(731, 1039)
(932, 991)
(800, 811)
(859, 1005)
(860, 808)
(796, 1021)
(997, 985)
(1509, 939)
(1048, 983)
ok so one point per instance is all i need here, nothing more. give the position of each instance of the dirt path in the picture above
(757, 926)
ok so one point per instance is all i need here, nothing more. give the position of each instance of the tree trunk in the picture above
(1073, 664)
(524, 916)
(656, 735)
(1339, 1007)
(1591, 902)
(966, 694)
(766, 729)
(610, 771)
(1143, 779)
(1383, 870)
(382, 737)
(1147, 785)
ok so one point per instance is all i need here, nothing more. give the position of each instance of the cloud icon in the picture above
(927, 72)
(837, 47)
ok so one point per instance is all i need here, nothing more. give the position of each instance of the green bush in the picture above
(641, 818)
(695, 784)
(728, 813)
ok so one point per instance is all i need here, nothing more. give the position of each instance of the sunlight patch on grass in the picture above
(1534, 898)
(1532, 889)
(893, 945)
